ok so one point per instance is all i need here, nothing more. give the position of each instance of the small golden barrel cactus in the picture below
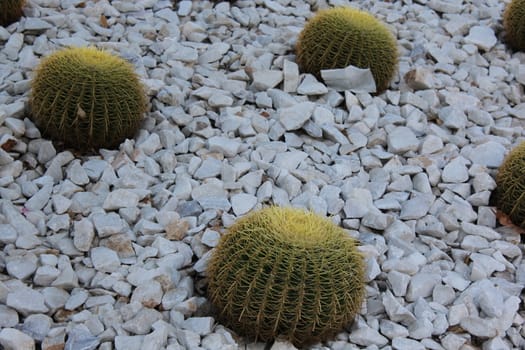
(510, 186)
(10, 11)
(514, 24)
(285, 272)
(343, 36)
(87, 98)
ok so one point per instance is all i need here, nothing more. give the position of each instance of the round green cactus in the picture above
(510, 186)
(514, 24)
(286, 272)
(10, 11)
(343, 36)
(87, 98)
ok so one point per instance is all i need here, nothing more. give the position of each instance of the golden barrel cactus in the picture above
(343, 36)
(10, 11)
(510, 186)
(285, 272)
(514, 24)
(87, 98)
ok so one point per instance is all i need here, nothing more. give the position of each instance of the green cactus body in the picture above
(87, 98)
(514, 24)
(10, 11)
(510, 186)
(286, 272)
(343, 36)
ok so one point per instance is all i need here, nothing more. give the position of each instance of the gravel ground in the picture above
(109, 251)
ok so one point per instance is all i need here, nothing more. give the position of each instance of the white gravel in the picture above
(109, 251)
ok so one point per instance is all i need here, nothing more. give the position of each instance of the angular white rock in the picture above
(105, 259)
(350, 78)
(294, 117)
(13, 339)
(482, 36)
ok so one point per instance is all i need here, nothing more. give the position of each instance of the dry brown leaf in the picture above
(8, 145)
(104, 21)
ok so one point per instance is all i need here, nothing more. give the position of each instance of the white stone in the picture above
(489, 154)
(478, 327)
(481, 36)
(214, 52)
(39, 199)
(199, 325)
(402, 139)
(366, 336)
(184, 8)
(108, 224)
(452, 117)
(267, 79)
(293, 118)
(495, 344)
(311, 86)
(228, 147)
(406, 344)
(13, 46)
(291, 76)
(350, 78)
(77, 174)
(417, 206)
(421, 285)
(148, 294)
(13, 339)
(105, 259)
(455, 171)
(392, 330)
(358, 203)
(120, 198)
(242, 203)
(26, 301)
(21, 266)
(83, 234)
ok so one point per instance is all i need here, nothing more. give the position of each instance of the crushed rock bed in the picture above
(109, 251)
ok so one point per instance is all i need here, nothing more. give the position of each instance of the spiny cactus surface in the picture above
(286, 272)
(514, 24)
(87, 98)
(343, 36)
(10, 11)
(510, 186)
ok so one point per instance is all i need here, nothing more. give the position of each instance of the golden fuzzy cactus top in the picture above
(514, 24)
(343, 36)
(87, 98)
(286, 272)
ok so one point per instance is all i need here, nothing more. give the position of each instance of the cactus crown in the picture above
(87, 98)
(510, 186)
(10, 11)
(286, 272)
(343, 36)
(514, 24)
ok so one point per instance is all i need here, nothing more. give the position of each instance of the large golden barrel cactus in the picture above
(510, 186)
(10, 11)
(87, 98)
(286, 272)
(514, 24)
(343, 36)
